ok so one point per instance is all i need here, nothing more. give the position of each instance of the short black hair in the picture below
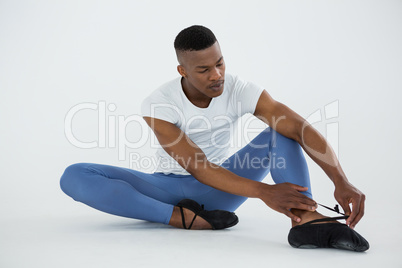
(195, 37)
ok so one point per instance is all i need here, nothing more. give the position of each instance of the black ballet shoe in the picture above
(218, 219)
(327, 235)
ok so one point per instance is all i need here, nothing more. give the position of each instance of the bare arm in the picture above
(178, 145)
(290, 124)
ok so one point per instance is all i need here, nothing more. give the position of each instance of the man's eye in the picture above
(203, 71)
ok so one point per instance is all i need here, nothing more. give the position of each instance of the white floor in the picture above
(95, 239)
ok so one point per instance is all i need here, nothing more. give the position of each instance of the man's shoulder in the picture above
(166, 91)
(234, 81)
(162, 103)
(230, 78)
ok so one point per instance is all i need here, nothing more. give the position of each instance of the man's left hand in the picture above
(346, 193)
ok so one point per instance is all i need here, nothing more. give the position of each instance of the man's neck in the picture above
(194, 96)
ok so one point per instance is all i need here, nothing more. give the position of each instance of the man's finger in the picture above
(292, 216)
(298, 187)
(345, 207)
(360, 215)
(303, 206)
(305, 201)
(355, 211)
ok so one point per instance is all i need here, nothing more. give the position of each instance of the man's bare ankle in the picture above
(305, 216)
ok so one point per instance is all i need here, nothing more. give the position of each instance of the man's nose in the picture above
(215, 74)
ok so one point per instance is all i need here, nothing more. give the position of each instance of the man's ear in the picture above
(181, 71)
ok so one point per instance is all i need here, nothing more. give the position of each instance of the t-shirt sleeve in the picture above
(246, 95)
(160, 108)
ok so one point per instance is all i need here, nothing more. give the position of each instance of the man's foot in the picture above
(198, 224)
(328, 234)
(307, 216)
(194, 216)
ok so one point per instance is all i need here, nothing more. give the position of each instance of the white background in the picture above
(307, 54)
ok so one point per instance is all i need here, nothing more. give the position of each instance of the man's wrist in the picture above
(337, 180)
(262, 190)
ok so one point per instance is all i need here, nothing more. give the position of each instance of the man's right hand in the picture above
(284, 196)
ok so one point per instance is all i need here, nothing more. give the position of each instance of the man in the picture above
(191, 117)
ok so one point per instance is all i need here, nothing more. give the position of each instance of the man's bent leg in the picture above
(107, 189)
(288, 163)
(268, 151)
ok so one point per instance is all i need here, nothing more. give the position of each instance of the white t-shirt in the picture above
(209, 128)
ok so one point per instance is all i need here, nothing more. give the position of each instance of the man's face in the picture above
(203, 70)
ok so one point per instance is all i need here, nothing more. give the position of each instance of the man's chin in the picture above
(216, 91)
(216, 94)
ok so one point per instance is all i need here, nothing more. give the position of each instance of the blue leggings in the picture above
(152, 196)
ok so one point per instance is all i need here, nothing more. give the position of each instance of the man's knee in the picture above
(262, 140)
(69, 181)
